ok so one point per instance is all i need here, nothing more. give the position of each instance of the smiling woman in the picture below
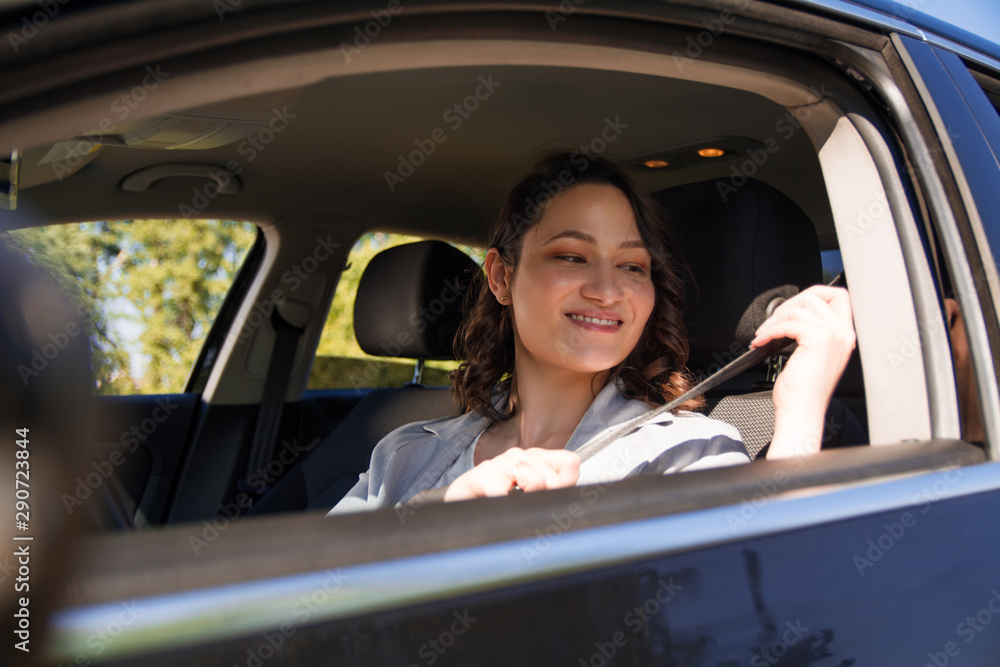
(578, 327)
(770, 132)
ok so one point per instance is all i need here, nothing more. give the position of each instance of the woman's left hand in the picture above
(820, 321)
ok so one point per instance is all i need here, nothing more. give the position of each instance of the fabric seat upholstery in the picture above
(746, 247)
(408, 305)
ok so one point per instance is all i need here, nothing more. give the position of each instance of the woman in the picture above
(577, 327)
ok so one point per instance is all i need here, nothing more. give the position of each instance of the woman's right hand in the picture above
(532, 469)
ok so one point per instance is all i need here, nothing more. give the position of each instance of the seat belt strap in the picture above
(746, 360)
(279, 374)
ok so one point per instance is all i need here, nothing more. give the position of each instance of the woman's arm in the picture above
(819, 320)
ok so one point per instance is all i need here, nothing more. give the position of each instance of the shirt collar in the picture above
(609, 408)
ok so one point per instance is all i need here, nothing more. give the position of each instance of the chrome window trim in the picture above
(873, 17)
(964, 281)
(963, 51)
(850, 10)
(173, 621)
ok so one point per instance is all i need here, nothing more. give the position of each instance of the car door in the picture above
(844, 558)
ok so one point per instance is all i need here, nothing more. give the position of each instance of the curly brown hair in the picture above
(655, 369)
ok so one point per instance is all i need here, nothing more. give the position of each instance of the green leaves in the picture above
(158, 282)
(153, 287)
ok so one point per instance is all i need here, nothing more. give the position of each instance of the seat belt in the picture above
(279, 374)
(746, 360)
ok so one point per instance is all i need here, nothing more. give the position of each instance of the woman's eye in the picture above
(576, 259)
(635, 268)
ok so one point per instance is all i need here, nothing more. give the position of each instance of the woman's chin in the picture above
(590, 365)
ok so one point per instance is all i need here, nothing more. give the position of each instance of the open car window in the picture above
(152, 289)
(335, 125)
(340, 362)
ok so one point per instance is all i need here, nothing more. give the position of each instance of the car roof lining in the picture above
(318, 71)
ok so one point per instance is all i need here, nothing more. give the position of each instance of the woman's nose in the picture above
(602, 284)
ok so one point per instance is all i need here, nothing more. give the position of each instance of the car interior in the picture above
(764, 158)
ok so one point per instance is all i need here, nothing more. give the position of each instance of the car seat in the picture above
(408, 305)
(745, 247)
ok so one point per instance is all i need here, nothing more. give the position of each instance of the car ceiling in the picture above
(345, 133)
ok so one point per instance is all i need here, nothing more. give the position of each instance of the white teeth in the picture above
(593, 320)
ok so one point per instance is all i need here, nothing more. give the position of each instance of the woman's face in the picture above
(582, 292)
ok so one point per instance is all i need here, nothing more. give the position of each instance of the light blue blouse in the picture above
(414, 457)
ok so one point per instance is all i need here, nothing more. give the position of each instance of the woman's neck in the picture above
(549, 405)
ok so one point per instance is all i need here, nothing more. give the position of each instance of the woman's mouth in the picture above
(595, 323)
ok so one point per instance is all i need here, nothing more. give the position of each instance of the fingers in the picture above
(530, 470)
(554, 468)
(819, 311)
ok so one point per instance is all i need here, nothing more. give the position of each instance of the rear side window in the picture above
(990, 83)
(151, 289)
(340, 363)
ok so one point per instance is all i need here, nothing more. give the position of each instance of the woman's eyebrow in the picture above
(587, 238)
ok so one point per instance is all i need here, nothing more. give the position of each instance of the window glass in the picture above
(990, 83)
(832, 265)
(150, 287)
(340, 363)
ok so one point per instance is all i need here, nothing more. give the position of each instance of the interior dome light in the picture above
(711, 152)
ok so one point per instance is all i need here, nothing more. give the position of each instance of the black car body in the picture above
(879, 122)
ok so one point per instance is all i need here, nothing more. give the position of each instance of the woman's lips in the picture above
(590, 323)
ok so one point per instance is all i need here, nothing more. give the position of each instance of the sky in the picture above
(981, 17)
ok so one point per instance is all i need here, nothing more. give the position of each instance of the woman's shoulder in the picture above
(612, 407)
(690, 425)
(444, 428)
(702, 423)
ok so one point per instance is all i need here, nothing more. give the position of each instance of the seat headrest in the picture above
(745, 246)
(409, 300)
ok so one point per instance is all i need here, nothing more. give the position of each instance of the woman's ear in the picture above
(498, 274)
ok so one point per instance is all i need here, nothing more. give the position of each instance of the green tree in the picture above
(340, 362)
(176, 273)
(168, 277)
(77, 257)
